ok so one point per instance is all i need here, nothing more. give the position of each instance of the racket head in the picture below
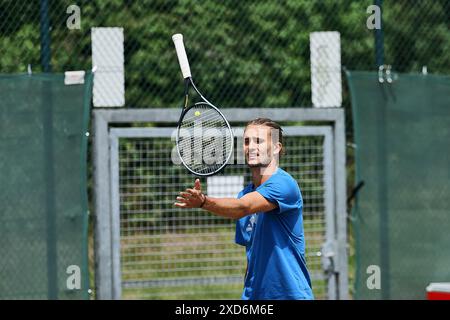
(204, 139)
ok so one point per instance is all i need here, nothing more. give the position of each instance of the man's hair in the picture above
(269, 123)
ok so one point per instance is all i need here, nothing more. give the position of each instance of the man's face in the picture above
(258, 146)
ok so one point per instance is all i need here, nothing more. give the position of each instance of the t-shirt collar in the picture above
(274, 173)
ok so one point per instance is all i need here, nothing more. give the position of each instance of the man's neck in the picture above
(262, 174)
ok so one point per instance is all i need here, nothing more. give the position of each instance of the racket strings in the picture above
(206, 140)
(211, 149)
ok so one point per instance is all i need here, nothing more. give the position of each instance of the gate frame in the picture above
(324, 131)
(106, 266)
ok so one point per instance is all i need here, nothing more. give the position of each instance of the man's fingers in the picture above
(181, 199)
(178, 204)
(197, 185)
(189, 197)
(192, 191)
(185, 194)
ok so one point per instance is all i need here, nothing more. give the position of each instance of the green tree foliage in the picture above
(242, 53)
(417, 34)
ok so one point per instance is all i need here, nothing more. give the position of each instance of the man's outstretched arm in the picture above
(226, 207)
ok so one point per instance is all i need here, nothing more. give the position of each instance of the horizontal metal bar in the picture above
(171, 132)
(179, 282)
(196, 236)
(169, 259)
(185, 269)
(172, 115)
(143, 255)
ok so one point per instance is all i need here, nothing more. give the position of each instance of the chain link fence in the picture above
(43, 200)
(248, 54)
(169, 253)
(401, 215)
(243, 53)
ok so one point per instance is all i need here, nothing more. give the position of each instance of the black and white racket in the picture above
(204, 137)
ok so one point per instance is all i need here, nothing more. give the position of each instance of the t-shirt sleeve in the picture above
(241, 237)
(282, 191)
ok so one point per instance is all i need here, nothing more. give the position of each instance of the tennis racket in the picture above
(204, 137)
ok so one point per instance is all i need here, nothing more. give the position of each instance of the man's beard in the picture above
(260, 164)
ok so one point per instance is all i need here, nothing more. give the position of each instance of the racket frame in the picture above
(188, 82)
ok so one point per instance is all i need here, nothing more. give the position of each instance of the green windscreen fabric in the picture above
(43, 198)
(402, 213)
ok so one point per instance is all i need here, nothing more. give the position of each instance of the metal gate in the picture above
(158, 251)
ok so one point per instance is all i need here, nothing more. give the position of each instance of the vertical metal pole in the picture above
(49, 174)
(383, 198)
(103, 250)
(379, 41)
(330, 210)
(45, 37)
(115, 216)
(47, 108)
(382, 160)
(341, 204)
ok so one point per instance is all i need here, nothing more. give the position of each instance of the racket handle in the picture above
(181, 53)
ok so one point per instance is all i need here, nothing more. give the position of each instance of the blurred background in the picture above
(243, 54)
(262, 45)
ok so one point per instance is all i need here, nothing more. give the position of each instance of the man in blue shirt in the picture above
(270, 222)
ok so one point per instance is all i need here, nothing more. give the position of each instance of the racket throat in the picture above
(187, 81)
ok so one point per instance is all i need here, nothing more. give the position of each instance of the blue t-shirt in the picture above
(275, 243)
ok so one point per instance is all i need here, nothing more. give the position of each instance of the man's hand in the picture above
(226, 207)
(191, 198)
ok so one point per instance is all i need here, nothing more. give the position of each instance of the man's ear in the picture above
(277, 149)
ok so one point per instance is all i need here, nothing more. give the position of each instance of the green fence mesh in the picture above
(43, 201)
(243, 53)
(402, 217)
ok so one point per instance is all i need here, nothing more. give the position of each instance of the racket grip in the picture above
(181, 53)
